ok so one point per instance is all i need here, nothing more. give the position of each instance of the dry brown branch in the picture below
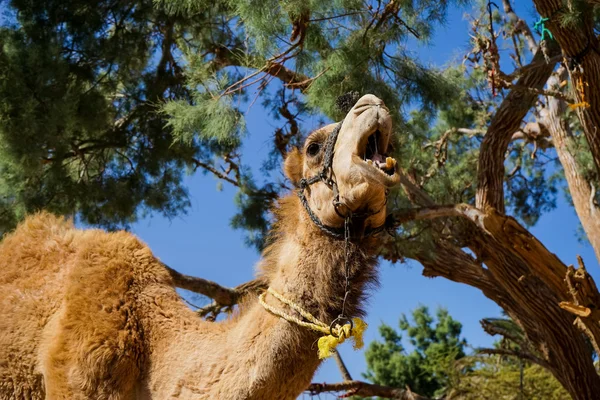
(359, 388)
(220, 294)
(341, 366)
(514, 353)
(506, 121)
(541, 92)
(433, 212)
(520, 275)
(224, 298)
(585, 302)
(492, 330)
(225, 57)
(520, 26)
(211, 311)
(215, 172)
(552, 118)
(526, 69)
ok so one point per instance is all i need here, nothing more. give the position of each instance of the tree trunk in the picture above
(582, 191)
(529, 283)
(534, 278)
(580, 46)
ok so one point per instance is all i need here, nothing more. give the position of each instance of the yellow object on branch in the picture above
(580, 88)
(334, 336)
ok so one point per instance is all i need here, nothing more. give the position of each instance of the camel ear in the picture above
(294, 165)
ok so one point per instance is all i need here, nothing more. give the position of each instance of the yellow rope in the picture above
(326, 343)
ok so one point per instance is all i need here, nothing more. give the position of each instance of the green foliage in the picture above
(504, 376)
(572, 12)
(80, 132)
(437, 367)
(104, 106)
(436, 346)
(497, 378)
(209, 119)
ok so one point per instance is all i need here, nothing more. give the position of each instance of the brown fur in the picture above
(90, 314)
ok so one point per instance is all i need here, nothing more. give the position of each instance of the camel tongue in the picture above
(378, 159)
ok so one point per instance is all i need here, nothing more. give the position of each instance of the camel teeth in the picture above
(370, 162)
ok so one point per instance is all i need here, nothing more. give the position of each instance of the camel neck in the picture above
(310, 268)
(256, 352)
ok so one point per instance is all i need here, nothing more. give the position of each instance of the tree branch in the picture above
(552, 118)
(432, 212)
(514, 353)
(215, 172)
(579, 45)
(359, 388)
(506, 121)
(225, 57)
(223, 297)
(541, 92)
(220, 294)
(341, 366)
(520, 26)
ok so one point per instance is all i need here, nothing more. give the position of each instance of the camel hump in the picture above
(37, 227)
(70, 308)
(95, 347)
(35, 248)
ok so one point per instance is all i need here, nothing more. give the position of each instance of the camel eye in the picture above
(313, 149)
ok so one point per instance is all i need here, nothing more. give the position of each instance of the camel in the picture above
(89, 314)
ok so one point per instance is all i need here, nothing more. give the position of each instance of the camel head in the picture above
(360, 167)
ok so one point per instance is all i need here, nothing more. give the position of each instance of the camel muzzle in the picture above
(372, 143)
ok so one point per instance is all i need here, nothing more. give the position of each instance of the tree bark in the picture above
(582, 191)
(527, 281)
(534, 279)
(506, 121)
(579, 45)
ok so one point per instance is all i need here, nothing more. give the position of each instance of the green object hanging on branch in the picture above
(540, 28)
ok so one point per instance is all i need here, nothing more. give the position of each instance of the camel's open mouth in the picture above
(374, 153)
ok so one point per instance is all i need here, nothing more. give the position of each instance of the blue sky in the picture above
(201, 243)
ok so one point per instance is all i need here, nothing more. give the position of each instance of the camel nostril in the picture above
(368, 100)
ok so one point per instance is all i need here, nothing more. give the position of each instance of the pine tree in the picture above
(435, 350)
(106, 105)
(437, 367)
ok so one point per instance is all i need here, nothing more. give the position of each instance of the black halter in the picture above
(326, 176)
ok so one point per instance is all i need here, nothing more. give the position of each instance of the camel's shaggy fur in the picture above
(86, 314)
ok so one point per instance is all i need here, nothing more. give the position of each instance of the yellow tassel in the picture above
(327, 343)
(359, 329)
